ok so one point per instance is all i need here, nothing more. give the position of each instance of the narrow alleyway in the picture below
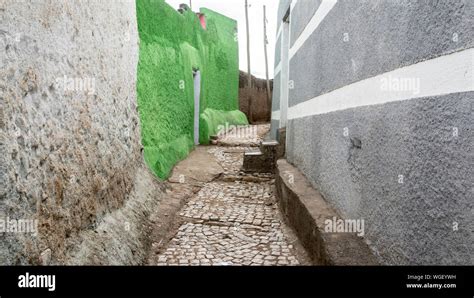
(231, 219)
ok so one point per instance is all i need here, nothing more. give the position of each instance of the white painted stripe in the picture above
(293, 4)
(276, 115)
(323, 9)
(318, 17)
(447, 74)
(277, 69)
(279, 31)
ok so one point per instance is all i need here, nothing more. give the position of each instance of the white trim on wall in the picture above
(280, 29)
(324, 8)
(277, 69)
(447, 74)
(276, 115)
(319, 15)
(293, 4)
(285, 72)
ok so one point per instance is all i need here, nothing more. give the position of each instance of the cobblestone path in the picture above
(233, 220)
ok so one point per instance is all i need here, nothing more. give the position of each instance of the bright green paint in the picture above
(171, 45)
(215, 120)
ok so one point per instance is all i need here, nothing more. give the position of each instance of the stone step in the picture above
(269, 148)
(270, 143)
(305, 209)
(261, 160)
(253, 152)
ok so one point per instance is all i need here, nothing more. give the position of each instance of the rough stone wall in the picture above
(355, 156)
(70, 142)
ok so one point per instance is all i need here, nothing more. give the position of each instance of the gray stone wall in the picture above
(301, 15)
(282, 9)
(381, 36)
(70, 140)
(413, 222)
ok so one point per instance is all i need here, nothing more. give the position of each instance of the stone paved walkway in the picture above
(244, 135)
(233, 220)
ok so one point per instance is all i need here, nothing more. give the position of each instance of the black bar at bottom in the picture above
(430, 281)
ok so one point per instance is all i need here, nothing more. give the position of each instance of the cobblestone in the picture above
(231, 221)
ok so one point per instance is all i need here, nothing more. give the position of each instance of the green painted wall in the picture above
(171, 45)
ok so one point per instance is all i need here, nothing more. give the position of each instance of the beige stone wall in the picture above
(70, 138)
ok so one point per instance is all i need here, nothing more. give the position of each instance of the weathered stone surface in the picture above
(410, 176)
(70, 139)
(261, 160)
(197, 169)
(46, 257)
(306, 210)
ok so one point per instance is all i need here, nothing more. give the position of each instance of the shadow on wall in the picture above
(253, 102)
